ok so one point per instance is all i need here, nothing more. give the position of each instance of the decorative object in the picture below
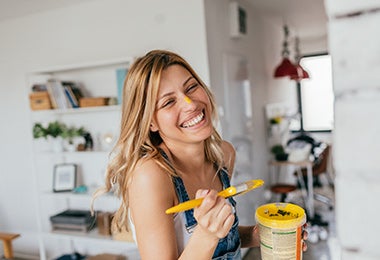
(238, 20)
(107, 141)
(39, 100)
(279, 152)
(52, 133)
(69, 134)
(121, 73)
(56, 132)
(93, 101)
(65, 176)
(73, 220)
(286, 67)
(301, 72)
(54, 129)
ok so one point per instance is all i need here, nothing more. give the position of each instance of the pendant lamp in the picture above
(286, 67)
(301, 72)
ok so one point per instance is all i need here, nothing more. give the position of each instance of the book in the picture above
(56, 90)
(71, 97)
(75, 89)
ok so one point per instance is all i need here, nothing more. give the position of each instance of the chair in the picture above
(320, 167)
(282, 189)
(7, 244)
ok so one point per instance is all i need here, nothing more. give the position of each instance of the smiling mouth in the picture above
(194, 121)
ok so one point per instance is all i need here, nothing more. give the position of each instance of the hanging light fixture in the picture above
(286, 67)
(301, 72)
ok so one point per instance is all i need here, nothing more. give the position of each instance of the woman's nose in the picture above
(187, 100)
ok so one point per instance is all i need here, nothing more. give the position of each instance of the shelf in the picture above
(92, 235)
(87, 194)
(76, 153)
(85, 65)
(98, 79)
(77, 110)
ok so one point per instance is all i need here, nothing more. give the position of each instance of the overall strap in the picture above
(225, 179)
(182, 196)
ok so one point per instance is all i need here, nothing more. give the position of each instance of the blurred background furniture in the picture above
(284, 188)
(320, 167)
(7, 244)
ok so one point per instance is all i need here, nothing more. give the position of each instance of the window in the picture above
(317, 97)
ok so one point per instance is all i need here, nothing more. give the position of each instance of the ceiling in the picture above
(306, 17)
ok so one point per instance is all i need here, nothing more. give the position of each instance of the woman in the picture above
(168, 152)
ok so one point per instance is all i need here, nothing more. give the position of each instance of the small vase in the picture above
(57, 144)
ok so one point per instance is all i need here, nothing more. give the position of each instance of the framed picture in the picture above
(65, 177)
(238, 20)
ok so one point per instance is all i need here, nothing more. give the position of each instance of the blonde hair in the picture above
(136, 141)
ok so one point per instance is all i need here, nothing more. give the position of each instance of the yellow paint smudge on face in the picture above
(187, 100)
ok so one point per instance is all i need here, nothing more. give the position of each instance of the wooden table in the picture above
(298, 166)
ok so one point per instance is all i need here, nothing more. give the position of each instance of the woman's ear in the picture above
(153, 127)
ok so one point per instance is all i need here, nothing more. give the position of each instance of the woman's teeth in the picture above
(194, 121)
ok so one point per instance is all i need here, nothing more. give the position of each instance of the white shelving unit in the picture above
(97, 79)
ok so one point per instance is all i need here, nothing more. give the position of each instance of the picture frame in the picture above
(64, 177)
(238, 20)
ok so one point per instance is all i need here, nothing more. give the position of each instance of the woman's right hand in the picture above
(215, 215)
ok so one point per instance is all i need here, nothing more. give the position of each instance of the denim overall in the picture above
(228, 248)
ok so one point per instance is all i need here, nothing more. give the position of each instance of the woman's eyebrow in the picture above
(163, 96)
(187, 80)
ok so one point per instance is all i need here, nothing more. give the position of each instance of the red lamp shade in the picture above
(286, 68)
(301, 74)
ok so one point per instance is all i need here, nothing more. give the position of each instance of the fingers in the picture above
(305, 235)
(215, 214)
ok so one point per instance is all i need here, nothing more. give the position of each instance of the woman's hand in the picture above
(215, 215)
(304, 237)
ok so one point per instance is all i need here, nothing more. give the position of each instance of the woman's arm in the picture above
(151, 193)
(249, 236)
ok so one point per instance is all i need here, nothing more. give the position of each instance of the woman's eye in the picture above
(168, 102)
(192, 88)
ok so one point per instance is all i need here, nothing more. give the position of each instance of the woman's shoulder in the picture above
(148, 173)
(150, 187)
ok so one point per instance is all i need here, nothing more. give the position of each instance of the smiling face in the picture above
(183, 109)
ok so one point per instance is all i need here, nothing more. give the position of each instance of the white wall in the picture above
(249, 46)
(355, 49)
(93, 30)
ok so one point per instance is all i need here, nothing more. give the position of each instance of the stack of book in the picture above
(73, 220)
(63, 94)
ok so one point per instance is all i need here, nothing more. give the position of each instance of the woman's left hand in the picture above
(304, 237)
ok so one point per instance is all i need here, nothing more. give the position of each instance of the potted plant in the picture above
(58, 132)
(54, 130)
(279, 152)
(70, 133)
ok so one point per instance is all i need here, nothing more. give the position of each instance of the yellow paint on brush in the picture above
(229, 192)
(187, 100)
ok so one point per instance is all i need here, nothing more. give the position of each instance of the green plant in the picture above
(70, 133)
(54, 129)
(277, 149)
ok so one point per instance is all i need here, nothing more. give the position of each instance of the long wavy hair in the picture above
(136, 141)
